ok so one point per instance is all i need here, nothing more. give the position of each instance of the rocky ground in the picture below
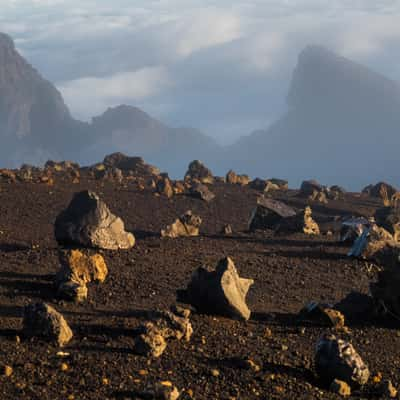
(100, 363)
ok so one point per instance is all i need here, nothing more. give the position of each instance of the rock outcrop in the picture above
(198, 172)
(202, 192)
(88, 222)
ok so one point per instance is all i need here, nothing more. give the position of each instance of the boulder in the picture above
(172, 326)
(220, 292)
(301, 222)
(381, 190)
(337, 359)
(341, 388)
(198, 172)
(314, 191)
(88, 222)
(389, 219)
(164, 186)
(269, 213)
(186, 225)
(132, 165)
(202, 192)
(385, 291)
(336, 192)
(281, 183)
(323, 314)
(233, 178)
(227, 230)
(42, 320)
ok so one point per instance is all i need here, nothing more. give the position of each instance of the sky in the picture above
(223, 67)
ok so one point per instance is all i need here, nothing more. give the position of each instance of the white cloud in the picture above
(92, 95)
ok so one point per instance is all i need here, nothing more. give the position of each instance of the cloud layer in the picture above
(223, 67)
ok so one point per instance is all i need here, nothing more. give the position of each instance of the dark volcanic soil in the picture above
(288, 272)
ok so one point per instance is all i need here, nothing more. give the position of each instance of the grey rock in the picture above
(202, 192)
(221, 291)
(88, 222)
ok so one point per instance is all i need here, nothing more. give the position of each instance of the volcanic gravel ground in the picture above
(288, 272)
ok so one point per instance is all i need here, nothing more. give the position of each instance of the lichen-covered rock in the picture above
(337, 359)
(88, 222)
(198, 172)
(186, 225)
(78, 266)
(221, 292)
(42, 320)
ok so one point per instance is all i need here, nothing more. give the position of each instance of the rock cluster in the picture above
(42, 320)
(233, 178)
(221, 291)
(337, 359)
(88, 222)
(314, 191)
(187, 224)
(198, 172)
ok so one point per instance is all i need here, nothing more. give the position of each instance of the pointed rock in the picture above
(220, 292)
(88, 222)
(42, 320)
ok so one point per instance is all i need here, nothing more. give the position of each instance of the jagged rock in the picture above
(336, 193)
(221, 291)
(150, 342)
(389, 219)
(323, 314)
(381, 190)
(233, 178)
(78, 266)
(164, 186)
(187, 225)
(88, 222)
(227, 230)
(134, 165)
(313, 191)
(385, 291)
(341, 388)
(258, 184)
(42, 320)
(173, 326)
(76, 291)
(198, 172)
(269, 213)
(337, 359)
(281, 183)
(301, 222)
(202, 192)
(179, 187)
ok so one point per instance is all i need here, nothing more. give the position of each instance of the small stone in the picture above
(151, 342)
(341, 388)
(387, 390)
(64, 367)
(215, 373)
(268, 333)
(7, 371)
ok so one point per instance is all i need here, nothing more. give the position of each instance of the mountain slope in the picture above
(342, 126)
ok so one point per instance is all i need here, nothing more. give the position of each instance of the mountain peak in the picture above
(6, 42)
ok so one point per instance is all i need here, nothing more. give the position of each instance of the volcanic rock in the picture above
(220, 292)
(134, 165)
(78, 266)
(76, 291)
(269, 213)
(150, 342)
(389, 219)
(161, 391)
(341, 388)
(337, 359)
(202, 192)
(233, 178)
(301, 222)
(227, 230)
(172, 326)
(164, 186)
(381, 190)
(198, 172)
(88, 222)
(323, 314)
(186, 225)
(42, 320)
